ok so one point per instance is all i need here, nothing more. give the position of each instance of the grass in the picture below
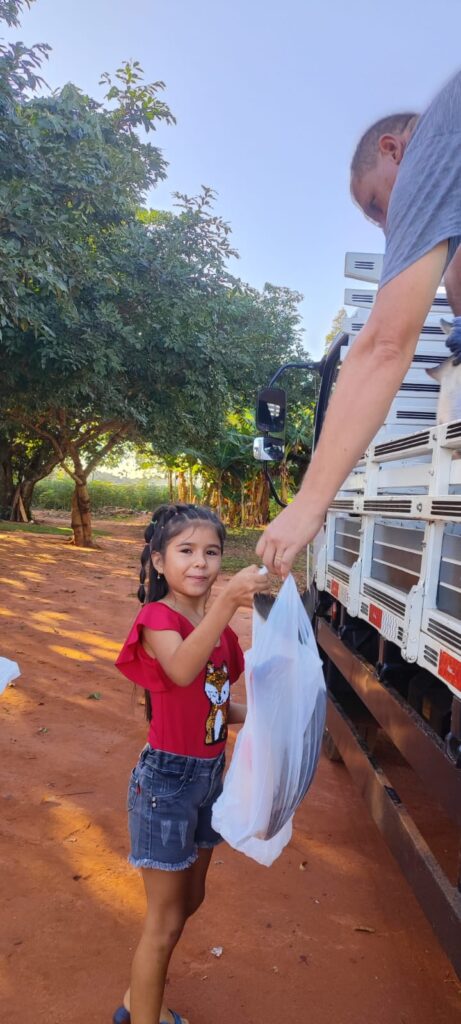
(56, 493)
(7, 527)
(239, 549)
(239, 552)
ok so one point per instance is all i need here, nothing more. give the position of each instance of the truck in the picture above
(385, 576)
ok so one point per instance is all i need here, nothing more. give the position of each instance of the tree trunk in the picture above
(242, 505)
(21, 511)
(81, 515)
(6, 480)
(208, 494)
(233, 514)
(191, 486)
(250, 518)
(284, 482)
(182, 487)
(18, 512)
(170, 486)
(261, 501)
(19, 473)
(27, 493)
(219, 497)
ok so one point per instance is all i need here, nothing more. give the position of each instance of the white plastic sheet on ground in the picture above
(277, 750)
(9, 670)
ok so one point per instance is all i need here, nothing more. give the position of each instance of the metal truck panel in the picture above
(364, 298)
(391, 563)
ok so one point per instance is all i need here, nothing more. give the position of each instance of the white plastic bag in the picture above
(9, 670)
(277, 750)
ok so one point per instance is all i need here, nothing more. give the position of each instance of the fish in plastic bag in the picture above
(278, 748)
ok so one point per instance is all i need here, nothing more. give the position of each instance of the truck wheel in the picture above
(329, 747)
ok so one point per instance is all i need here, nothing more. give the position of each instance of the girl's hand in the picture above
(242, 588)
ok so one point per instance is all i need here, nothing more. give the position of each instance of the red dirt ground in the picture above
(72, 907)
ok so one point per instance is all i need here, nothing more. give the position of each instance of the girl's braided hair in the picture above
(167, 522)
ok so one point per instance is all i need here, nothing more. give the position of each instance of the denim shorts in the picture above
(170, 799)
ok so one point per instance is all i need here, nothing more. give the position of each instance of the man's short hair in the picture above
(366, 153)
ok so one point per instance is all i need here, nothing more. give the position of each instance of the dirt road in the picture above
(330, 933)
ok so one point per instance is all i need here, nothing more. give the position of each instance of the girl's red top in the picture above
(188, 720)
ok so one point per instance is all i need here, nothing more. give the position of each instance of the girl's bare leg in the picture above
(166, 893)
(190, 888)
(197, 879)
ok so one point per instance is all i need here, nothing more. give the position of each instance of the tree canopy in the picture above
(117, 322)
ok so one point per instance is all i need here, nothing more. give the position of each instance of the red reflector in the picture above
(450, 669)
(375, 616)
(335, 588)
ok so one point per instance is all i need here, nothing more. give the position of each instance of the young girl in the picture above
(186, 658)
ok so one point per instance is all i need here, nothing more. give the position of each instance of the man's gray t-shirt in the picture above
(425, 205)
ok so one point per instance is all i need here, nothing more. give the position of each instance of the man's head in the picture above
(376, 162)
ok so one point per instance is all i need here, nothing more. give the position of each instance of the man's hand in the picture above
(453, 342)
(285, 537)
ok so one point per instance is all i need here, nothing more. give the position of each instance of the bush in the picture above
(57, 494)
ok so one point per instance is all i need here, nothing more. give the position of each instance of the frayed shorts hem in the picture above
(145, 862)
(210, 846)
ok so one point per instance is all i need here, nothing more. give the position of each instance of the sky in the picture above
(270, 100)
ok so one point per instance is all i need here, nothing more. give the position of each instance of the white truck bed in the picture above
(392, 551)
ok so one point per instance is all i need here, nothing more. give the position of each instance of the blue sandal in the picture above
(122, 1016)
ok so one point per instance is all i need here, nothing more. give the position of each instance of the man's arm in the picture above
(452, 281)
(368, 381)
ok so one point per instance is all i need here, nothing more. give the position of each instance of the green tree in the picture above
(92, 379)
(72, 178)
(117, 322)
(10, 10)
(336, 328)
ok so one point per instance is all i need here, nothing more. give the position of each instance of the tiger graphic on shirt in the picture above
(217, 689)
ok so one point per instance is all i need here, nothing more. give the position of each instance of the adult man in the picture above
(408, 180)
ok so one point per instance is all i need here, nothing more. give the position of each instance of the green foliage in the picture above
(73, 179)
(137, 105)
(336, 328)
(57, 494)
(118, 323)
(10, 10)
(20, 234)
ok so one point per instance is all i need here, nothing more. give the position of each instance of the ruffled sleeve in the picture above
(134, 662)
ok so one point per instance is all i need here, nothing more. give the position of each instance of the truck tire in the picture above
(329, 747)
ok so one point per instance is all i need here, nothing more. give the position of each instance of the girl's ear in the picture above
(157, 562)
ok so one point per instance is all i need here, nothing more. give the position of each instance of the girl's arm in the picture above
(182, 660)
(237, 713)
